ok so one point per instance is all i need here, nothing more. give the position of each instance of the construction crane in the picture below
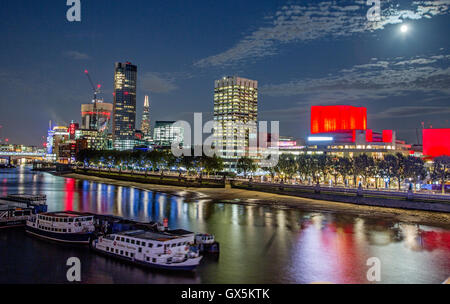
(96, 89)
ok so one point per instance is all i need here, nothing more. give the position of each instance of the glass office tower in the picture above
(235, 104)
(124, 121)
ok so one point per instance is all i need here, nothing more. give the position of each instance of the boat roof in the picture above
(27, 196)
(6, 205)
(148, 235)
(180, 232)
(66, 214)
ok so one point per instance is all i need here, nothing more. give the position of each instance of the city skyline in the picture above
(400, 76)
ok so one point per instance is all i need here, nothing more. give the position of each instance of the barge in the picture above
(66, 226)
(16, 209)
(158, 250)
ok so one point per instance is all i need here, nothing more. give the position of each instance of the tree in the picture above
(440, 171)
(171, 160)
(155, 158)
(334, 169)
(245, 165)
(303, 166)
(314, 167)
(377, 171)
(212, 164)
(400, 173)
(323, 163)
(272, 170)
(287, 165)
(345, 167)
(364, 166)
(188, 163)
(388, 166)
(415, 169)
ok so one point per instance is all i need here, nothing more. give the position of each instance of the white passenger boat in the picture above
(152, 249)
(66, 226)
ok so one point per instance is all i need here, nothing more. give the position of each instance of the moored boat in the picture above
(151, 249)
(36, 201)
(66, 226)
(207, 243)
(11, 216)
(16, 209)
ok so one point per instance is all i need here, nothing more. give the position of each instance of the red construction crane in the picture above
(96, 89)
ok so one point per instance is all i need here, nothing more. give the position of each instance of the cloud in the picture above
(294, 23)
(379, 78)
(157, 83)
(77, 55)
(411, 111)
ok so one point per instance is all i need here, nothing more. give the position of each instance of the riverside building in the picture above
(124, 107)
(235, 109)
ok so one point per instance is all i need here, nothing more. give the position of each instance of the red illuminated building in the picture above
(325, 119)
(72, 129)
(436, 142)
(343, 130)
(387, 136)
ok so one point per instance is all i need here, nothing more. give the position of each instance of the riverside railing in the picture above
(320, 189)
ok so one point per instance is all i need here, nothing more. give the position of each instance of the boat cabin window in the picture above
(123, 239)
(138, 243)
(132, 241)
(173, 245)
(127, 240)
(159, 245)
(150, 245)
(117, 238)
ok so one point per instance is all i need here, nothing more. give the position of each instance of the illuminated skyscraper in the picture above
(124, 108)
(235, 104)
(145, 123)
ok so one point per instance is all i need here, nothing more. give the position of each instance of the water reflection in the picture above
(259, 244)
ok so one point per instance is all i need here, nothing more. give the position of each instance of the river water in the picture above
(259, 244)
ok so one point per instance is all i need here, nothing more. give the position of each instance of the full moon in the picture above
(404, 28)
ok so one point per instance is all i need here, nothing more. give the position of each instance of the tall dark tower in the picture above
(124, 121)
(145, 123)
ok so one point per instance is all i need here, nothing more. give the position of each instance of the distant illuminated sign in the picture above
(287, 144)
(320, 138)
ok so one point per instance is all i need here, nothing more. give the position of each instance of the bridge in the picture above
(10, 156)
(22, 154)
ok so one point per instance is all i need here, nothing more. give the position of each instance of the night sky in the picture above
(302, 53)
